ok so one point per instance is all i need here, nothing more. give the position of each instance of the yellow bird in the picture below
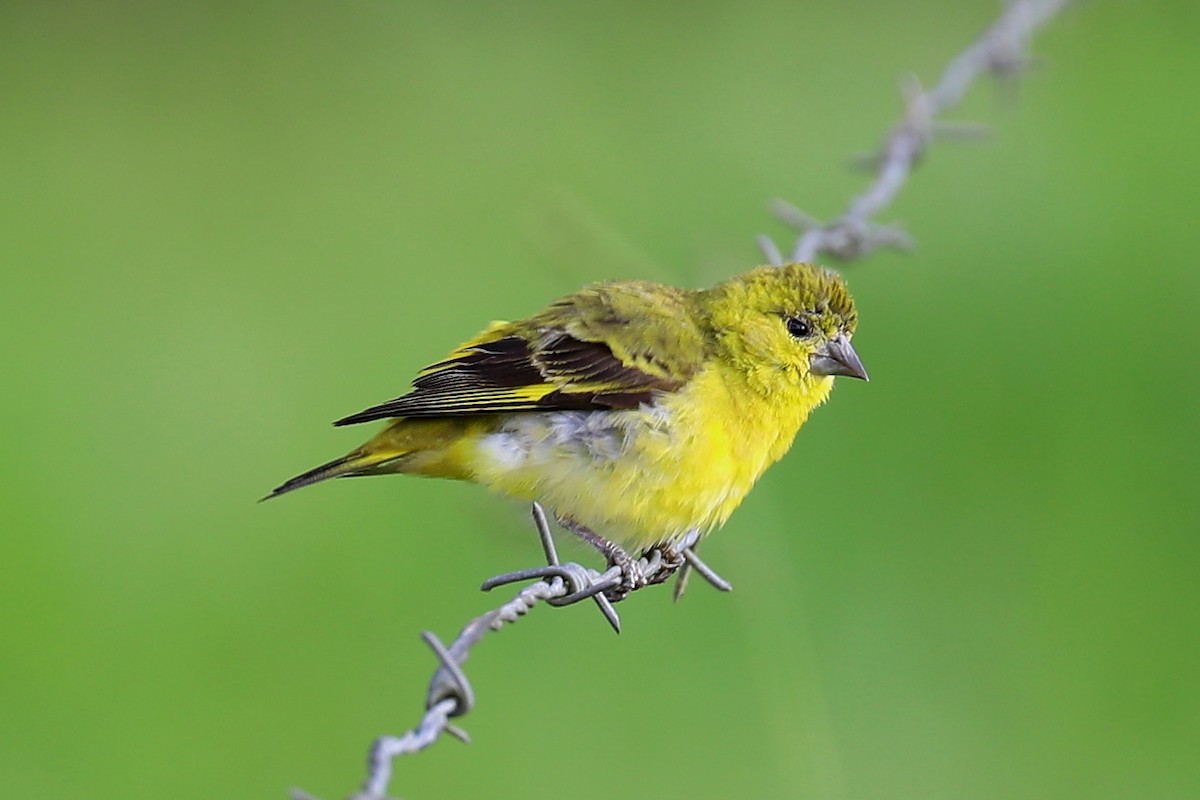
(637, 412)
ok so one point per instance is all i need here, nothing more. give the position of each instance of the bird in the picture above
(639, 413)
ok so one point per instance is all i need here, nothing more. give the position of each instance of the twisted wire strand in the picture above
(1002, 50)
(450, 694)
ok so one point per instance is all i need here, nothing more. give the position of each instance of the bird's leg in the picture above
(614, 554)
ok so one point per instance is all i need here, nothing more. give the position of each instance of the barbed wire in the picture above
(450, 695)
(1001, 50)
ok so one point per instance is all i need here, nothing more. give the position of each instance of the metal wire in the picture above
(450, 694)
(1002, 50)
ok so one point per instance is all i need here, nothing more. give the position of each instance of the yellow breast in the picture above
(648, 475)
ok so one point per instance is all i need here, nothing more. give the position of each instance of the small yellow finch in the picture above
(636, 411)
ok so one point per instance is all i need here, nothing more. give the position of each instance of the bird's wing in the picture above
(608, 347)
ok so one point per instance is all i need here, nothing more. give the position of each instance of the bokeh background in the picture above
(225, 224)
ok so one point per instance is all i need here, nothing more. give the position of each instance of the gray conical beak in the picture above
(837, 357)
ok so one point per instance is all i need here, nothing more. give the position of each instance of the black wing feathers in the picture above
(508, 374)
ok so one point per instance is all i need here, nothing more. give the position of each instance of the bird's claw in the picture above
(631, 575)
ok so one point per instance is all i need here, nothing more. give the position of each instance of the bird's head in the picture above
(786, 326)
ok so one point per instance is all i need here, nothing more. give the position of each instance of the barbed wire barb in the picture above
(1003, 51)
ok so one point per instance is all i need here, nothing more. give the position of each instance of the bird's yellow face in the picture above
(786, 327)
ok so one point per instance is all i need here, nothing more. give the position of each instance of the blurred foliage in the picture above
(225, 224)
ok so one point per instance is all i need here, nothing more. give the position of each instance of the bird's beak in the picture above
(837, 357)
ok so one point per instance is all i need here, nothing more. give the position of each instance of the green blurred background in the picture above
(225, 224)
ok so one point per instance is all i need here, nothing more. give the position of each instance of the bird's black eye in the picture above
(800, 328)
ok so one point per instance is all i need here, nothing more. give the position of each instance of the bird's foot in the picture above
(656, 564)
(666, 558)
(632, 577)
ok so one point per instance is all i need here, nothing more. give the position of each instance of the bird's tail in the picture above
(421, 447)
(356, 463)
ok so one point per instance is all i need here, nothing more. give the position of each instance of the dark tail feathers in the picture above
(345, 465)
